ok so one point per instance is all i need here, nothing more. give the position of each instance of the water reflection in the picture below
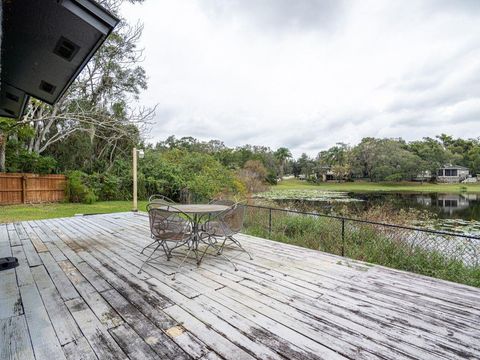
(464, 206)
(448, 203)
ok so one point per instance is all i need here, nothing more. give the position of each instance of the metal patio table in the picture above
(197, 213)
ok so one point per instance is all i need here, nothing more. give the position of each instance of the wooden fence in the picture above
(17, 188)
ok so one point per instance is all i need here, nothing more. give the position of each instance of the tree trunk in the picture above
(3, 146)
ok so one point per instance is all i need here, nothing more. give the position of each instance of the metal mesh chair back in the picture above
(167, 225)
(160, 199)
(225, 225)
(234, 218)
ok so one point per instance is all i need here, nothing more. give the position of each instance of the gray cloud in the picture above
(468, 7)
(276, 15)
(337, 71)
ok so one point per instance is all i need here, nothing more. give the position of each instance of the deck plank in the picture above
(10, 300)
(79, 349)
(162, 344)
(4, 242)
(214, 322)
(62, 282)
(217, 342)
(63, 323)
(14, 238)
(46, 345)
(30, 253)
(96, 334)
(14, 339)
(32, 235)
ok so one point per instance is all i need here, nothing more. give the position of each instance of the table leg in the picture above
(196, 236)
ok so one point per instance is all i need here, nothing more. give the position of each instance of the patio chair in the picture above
(160, 199)
(224, 226)
(166, 226)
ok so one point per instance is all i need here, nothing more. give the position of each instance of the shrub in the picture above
(271, 178)
(30, 162)
(188, 175)
(106, 186)
(253, 175)
(394, 177)
(77, 191)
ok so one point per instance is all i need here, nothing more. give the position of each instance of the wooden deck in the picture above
(77, 295)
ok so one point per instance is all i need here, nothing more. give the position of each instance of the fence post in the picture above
(343, 237)
(270, 222)
(24, 189)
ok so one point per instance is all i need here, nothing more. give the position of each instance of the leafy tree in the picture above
(336, 155)
(253, 175)
(385, 159)
(282, 154)
(178, 172)
(6, 126)
(306, 165)
(432, 152)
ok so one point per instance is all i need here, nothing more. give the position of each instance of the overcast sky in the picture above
(307, 74)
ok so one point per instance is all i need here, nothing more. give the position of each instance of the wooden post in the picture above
(270, 222)
(24, 189)
(134, 173)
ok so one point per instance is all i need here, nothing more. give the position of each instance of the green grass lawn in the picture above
(362, 186)
(11, 213)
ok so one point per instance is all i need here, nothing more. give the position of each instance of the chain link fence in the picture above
(430, 252)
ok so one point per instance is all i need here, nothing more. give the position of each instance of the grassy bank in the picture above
(11, 213)
(371, 243)
(362, 186)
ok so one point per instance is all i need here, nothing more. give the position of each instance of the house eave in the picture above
(46, 44)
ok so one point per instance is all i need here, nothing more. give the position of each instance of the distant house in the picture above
(325, 173)
(452, 174)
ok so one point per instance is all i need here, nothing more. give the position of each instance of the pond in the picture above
(465, 206)
(454, 211)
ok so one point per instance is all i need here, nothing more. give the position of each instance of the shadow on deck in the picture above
(77, 295)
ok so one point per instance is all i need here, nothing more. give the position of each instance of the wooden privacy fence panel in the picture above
(16, 188)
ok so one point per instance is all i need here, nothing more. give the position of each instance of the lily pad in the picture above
(307, 195)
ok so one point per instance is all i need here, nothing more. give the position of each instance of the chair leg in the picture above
(220, 251)
(229, 260)
(210, 243)
(146, 247)
(181, 263)
(236, 242)
(176, 247)
(150, 256)
(167, 250)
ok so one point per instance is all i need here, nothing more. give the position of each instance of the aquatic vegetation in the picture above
(458, 226)
(307, 195)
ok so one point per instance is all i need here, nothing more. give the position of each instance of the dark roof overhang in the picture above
(45, 45)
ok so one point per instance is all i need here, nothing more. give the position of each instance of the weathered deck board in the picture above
(63, 323)
(45, 343)
(14, 339)
(77, 294)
